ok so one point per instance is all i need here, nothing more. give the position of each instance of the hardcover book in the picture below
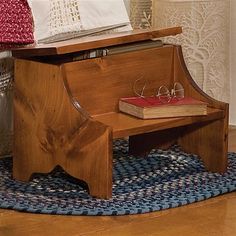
(151, 107)
(128, 47)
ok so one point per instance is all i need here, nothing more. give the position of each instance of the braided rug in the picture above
(162, 180)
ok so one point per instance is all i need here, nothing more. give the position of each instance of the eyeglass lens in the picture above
(178, 91)
(163, 94)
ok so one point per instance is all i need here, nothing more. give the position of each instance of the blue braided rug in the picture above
(165, 179)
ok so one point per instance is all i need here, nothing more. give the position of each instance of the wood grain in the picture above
(125, 125)
(99, 83)
(187, 220)
(50, 131)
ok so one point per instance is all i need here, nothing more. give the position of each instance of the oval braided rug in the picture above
(164, 179)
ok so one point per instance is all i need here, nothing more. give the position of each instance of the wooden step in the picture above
(125, 125)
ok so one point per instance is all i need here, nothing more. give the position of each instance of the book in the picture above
(128, 47)
(102, 52)
(151, 107)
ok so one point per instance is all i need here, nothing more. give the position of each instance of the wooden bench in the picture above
(66, 112)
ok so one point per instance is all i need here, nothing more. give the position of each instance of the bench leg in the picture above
(87, 156)
(92, 162)
(210, 141)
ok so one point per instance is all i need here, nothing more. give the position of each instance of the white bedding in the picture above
(56, 20)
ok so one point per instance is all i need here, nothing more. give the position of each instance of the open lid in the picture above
(92, 42)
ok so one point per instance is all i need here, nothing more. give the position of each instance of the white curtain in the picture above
(233, 63)
(141, 13)
(205, 40)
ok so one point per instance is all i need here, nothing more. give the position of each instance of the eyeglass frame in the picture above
(171, 93)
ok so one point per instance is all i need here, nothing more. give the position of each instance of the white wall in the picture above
(233, 63)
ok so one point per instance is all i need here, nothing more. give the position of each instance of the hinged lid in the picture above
(92, 42)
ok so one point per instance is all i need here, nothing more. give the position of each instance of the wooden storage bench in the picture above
(66, 112)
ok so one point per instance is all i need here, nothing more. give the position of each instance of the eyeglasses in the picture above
(164, 94)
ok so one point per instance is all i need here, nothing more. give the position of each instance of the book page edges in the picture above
(172, 111)
(131, 109)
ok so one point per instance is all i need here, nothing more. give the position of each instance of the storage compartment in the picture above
(67, 113)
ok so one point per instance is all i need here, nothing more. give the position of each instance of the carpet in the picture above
(164, 179)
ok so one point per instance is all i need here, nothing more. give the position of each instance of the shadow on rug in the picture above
(165, 179)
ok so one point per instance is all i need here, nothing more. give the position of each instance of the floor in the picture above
(214, 217)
